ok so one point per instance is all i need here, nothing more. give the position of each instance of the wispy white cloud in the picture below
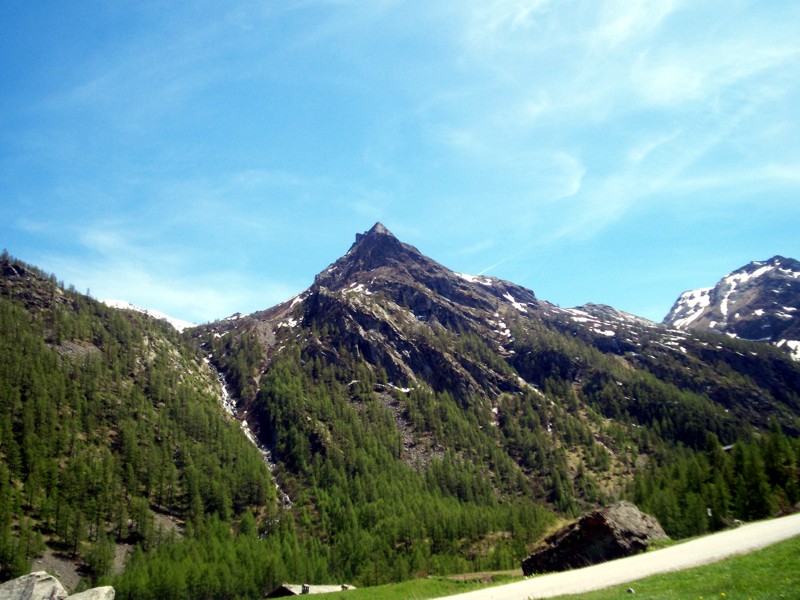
(135, 88)
(700, 73)
(572, 171)
(492, 267)
(642, 149)
(492, 20)
(121, 262)
(746, 182)
(620, 21)
(664, 82)
(215, 295)
(478, 247)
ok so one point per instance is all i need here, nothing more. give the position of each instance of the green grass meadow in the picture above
(773, 572)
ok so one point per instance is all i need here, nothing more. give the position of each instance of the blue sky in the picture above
(203, 158)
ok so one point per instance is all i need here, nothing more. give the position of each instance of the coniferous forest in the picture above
(116, 452)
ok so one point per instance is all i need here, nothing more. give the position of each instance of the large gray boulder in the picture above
(34, 586)
(43, 586)
(613, 532)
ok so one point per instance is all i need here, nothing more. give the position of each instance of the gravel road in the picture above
(689, 554)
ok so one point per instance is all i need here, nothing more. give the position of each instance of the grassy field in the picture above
(773, 572)
(419, 589)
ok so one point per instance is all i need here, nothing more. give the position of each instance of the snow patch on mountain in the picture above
(476, 279)
(178, 324)
(733, 280)
(794, 347)
(692, 304)
(579, 316)
(756, 302)
(744, 276)
(359, 288)
(518, 305)
(298, 299)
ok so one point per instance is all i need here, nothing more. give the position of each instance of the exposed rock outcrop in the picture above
(40, 585)
(613, 532)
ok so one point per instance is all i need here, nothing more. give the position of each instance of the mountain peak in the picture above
(758, 301)
(379, 229)
(375, 249)
(377, 232)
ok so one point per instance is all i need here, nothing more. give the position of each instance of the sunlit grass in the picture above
(419, 589)
(773, 572)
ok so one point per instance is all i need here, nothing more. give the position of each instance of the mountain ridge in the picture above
(178, 324)
(379, 249)
(757, 302)
(382, 285)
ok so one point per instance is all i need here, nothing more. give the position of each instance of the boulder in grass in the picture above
(613, 532)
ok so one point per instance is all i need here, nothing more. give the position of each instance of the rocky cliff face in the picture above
(759, 301)
(390, 301)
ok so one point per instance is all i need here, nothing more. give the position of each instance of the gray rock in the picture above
(99, 593)
(613, 532)
(34, 586)
(43, 586)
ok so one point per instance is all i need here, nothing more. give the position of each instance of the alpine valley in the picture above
(396, 419)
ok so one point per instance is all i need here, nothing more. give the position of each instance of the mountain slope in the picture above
(759, 301)
(394, 383)
(421, 323)
(110, 430)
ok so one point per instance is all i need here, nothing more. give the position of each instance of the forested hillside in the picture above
(111, 431)
(113, 435)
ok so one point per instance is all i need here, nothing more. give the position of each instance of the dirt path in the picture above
(682, 556)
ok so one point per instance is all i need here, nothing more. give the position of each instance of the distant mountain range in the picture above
(397, 312)
(757, 302)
